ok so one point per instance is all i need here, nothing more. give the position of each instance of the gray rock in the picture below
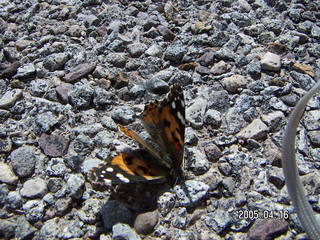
(62, 206)
(123, 231)
(146, 222)
(83, 144)
(277, 104)
(117, 59)
(123, 115)
(55, 61)
(305, 81)
(191, 137)
(213, 118)
(314, 137)
(174, 53)
(3, 192)
(197, 161)
(103, 98)
(195, 192)
(234, 83)
(218, 100)
(71, 229)
(113, 212)
(10, 98)
(218, 221)
(180, 218)
(39, 87)
(90, 20)
(24, 229)
(225, 168)
(273, 119)
(136, 49)
(34, 210)
(81, 95)
(74, 162)
(88, 129)
(25, 71)
(34, 188)
(49, 230)
(154, 51)
(166, 202)
(254, 68)
(75, 185)
(56, 168)
(90, 210)
(23, 161)
(7, 175)
(234, 120)
(4, 115)
(270, 62)
(7, 228)
(14, 200)
(256, 130)
(315, 31)
(195, 113)
(55, 184)
(45, 121)
(311, 120)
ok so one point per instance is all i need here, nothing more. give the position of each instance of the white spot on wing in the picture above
(107, 180)
(173, 105)
(109, 169)
(122, 178)
(181, 118)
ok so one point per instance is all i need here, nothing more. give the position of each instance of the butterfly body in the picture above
(165, 123)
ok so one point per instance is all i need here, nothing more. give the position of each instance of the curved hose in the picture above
(290, 170)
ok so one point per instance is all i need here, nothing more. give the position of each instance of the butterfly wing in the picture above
(166, 125)
(125, 168)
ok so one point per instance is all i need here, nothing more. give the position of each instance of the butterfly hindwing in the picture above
(124, 168)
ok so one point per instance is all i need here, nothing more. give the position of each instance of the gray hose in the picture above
(290, 170)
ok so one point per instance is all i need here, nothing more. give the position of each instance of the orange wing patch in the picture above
(136, 166)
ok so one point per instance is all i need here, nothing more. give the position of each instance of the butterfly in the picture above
(165, 123)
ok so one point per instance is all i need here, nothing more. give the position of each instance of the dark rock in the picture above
(267, 229)
(79, 72)
(7, 70)
(53, 145)
(166, 33)
(146, 222)
(63, 91)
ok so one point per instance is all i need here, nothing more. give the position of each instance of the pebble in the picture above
(270, 62)
(75, 185)
(10, 98)
(34, 188)
(7, 175)
(25, 71)
(146, 222)
(123, 231)
(267, 228)
(23, 160)
(196, 191)
(53, 145)
(79, 72)
(256, 130)
(234, 83)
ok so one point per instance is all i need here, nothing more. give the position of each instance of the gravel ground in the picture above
(71, 71)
